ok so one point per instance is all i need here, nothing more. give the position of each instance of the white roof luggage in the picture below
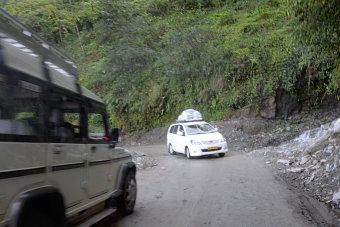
(190, 115)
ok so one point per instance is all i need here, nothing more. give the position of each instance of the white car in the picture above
(195, 138)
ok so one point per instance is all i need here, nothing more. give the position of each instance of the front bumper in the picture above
(201, 150)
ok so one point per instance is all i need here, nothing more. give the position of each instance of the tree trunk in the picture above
(59, 23)
(4, 3)
(77, 29)
(93, 21)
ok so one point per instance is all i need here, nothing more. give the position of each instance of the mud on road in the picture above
(210, 191)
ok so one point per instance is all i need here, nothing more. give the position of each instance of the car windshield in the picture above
(199, 129)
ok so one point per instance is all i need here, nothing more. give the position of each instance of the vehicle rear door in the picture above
(67, 148)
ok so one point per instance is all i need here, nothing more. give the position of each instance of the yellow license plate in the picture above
(212, 148)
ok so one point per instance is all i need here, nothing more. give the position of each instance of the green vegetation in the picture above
(151, 59)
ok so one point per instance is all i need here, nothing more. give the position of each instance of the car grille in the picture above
(209, 142)
(206, 150)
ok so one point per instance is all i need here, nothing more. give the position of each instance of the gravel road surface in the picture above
(211, 191)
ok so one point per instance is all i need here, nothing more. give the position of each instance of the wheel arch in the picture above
(124, 170)
(126, 167)
(186, 148)
(172, 147)
(39, 199)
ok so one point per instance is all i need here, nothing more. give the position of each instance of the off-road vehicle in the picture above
(59, 163)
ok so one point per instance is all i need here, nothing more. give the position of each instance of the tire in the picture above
(187, 152)
(36, 219)
(221, 154)
(171, 150)
(129, 195)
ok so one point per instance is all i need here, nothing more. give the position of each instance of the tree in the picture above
(318, 30)
(49, 19)
(76, 26)
(58, 21)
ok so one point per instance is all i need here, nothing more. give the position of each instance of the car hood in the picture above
(206, 137)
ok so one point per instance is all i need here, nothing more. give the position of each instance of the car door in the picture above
(180, 139)
(68, 171)
(66, 150)
(100, 153)
(171, 136)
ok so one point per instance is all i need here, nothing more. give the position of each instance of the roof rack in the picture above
(30, 39)
(183, 121)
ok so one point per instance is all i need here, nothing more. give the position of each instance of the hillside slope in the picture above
(151, 59)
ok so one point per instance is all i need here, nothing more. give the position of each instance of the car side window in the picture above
(97, 129)
(180, 130)
(173, 130)
(72, 123)
(64, 121)
(20, 106)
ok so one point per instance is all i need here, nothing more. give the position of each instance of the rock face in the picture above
(310, 162)
(268, 108)
(281, 106)
(286, 105)
(244, 113)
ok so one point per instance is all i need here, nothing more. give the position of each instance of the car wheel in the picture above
(221, 154)
(36, 219)
(129, 194)
(187, 152)
(171, 150)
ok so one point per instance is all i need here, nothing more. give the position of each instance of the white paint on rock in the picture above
(336, 197)
(336, 129)
(283, 161)
(295, 170)
(304, 160)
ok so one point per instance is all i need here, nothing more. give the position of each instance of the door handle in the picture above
(93, 149)
(57, 150)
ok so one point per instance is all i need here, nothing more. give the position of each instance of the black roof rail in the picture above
(26, 36)
(184, 121)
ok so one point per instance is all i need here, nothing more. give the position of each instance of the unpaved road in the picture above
(230, 191)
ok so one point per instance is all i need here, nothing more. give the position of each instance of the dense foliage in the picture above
(151, 59)
(318, 33)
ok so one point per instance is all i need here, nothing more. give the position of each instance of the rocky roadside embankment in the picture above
(303, 150)
(309, 162)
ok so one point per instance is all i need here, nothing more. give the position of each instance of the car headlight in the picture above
(223, 140)
(195, 142)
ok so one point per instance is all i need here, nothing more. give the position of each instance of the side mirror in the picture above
(116, 135)
(216, 129)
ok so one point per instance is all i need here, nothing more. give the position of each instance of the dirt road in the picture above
(230, 191)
